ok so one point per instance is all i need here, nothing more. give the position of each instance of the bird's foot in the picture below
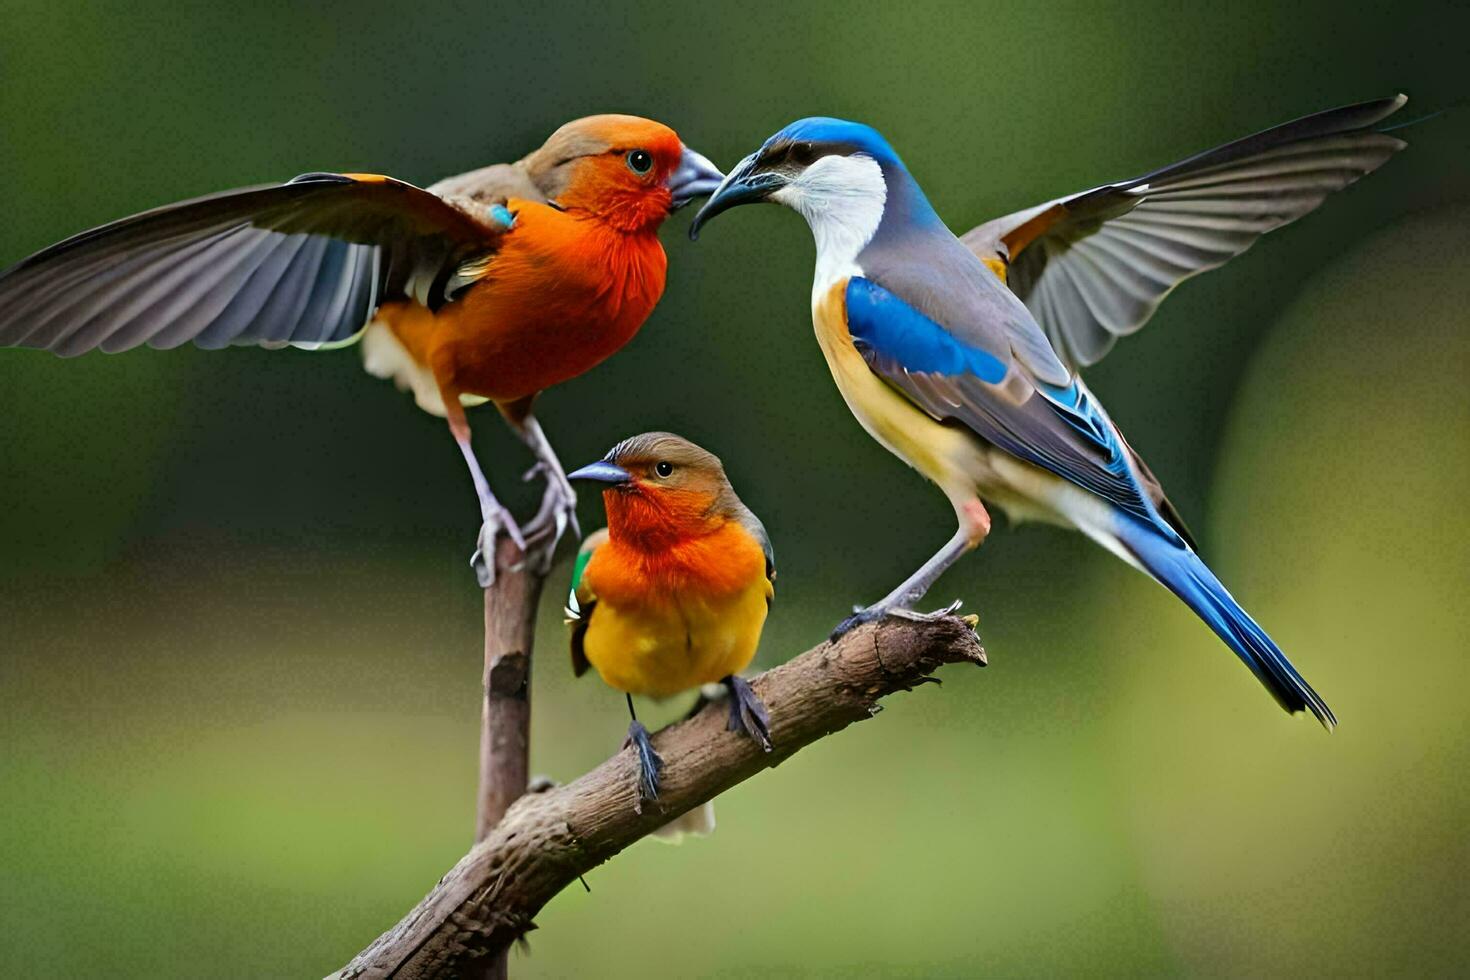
(558, 511)
(860, 615)
(483, 560)
(878, 611)
(649, 764)
(928, 617)
(748, 712)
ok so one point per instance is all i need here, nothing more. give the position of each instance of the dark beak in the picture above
(695, 177)
(745, 185)
(603, 472)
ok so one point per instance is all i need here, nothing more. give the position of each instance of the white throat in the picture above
(841, 198)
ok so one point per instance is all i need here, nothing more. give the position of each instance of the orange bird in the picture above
(490, 286)
(674, 594)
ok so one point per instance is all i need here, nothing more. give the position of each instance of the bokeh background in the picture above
(239, 643)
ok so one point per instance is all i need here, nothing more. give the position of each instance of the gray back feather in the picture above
(931, 271)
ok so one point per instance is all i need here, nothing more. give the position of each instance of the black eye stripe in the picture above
(802, 153)
(773, 155)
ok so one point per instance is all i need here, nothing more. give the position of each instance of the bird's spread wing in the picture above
(968, 373)
(1093, 267)
(303, 263)
(581, 601)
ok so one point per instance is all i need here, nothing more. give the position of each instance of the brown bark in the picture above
(505, 712)
(505, 709)
(490, 898)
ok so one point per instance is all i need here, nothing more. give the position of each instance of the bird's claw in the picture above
(649, 764)
(559, 510)
(927, 617)
(483, 560)
(484, 571)
(566, 519)
(859, 617)
(748, 712)
(874, 613)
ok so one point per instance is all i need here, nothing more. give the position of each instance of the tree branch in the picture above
(505, 709)
(489, 899)
(505, 712)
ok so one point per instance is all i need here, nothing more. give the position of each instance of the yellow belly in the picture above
(659, 651)
(950, 455)
(943, 453)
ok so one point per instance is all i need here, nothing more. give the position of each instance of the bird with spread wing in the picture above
(490, 286)
(961, 356)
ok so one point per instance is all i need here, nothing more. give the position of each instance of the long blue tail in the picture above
(1180, 570)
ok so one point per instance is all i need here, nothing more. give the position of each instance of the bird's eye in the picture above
(803, 153)
(663, 468)
(640, 161)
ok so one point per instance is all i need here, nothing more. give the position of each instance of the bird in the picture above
(673, 593)
(962, 356)
(493, 285)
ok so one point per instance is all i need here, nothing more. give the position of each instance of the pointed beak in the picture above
(695, 177)
(745, 185)
(603, 472)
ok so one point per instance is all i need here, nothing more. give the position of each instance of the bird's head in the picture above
(661, 488)
(836, 173)
(631, 172)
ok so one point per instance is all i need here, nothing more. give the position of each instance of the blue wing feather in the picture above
(882, 322)
(937, 326)
(1057, 427)
(1062, 429)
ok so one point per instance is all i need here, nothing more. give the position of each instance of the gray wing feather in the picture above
(185, 299)
(1040, 411)
(303, 263)
(942, 279)
(1107, 257)
(1035, 428)
(758, 530)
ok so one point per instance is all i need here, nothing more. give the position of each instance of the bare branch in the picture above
(505, 708)
(505, 712)
(489, 899)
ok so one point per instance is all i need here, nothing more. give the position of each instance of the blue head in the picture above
(828, 135)
(828, 170)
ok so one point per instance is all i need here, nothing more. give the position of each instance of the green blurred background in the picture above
(239, 643)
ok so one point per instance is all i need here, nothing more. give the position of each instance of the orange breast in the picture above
(564, 293)
(713, 565)
(686, 614)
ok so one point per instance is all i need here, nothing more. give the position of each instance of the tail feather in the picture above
(1171, 563)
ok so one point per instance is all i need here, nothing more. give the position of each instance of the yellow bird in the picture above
(673, 594)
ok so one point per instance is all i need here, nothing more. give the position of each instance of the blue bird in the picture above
(962, 356)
